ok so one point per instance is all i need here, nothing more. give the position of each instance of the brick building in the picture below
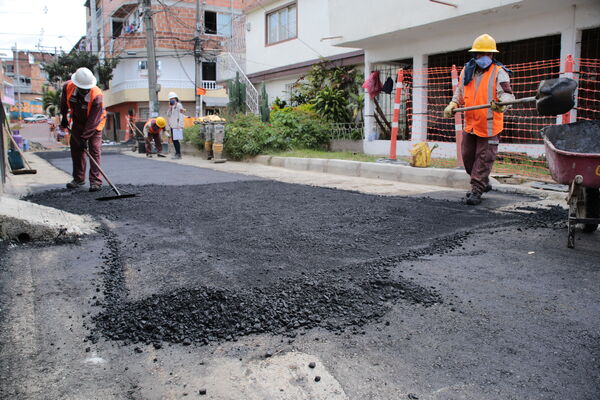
(120, 33)
(28, 83)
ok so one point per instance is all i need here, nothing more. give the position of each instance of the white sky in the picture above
(23, 21)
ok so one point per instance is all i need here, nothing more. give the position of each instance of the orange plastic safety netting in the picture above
(522, 152)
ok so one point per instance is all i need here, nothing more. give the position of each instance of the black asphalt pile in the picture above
(205, 314)
(216, 262)
(536, 217)
(578, 137)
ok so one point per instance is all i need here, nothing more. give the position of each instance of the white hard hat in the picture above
(83, 78)
(172, 95)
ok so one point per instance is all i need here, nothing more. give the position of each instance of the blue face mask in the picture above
(484, 61)
(172, 101)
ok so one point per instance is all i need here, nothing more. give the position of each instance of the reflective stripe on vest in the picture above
(152, 123)
(484, 122)
(94, 92)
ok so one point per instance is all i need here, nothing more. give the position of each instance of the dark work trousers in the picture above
(479, 154)
(157, 142)
(79, 158)
(176, 144)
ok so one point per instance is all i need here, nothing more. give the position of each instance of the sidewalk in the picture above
(306, 177)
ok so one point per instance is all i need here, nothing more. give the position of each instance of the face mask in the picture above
(172, 101)
(484, 61)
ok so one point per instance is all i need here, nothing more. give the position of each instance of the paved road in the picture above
(40, 133)
(391, 296)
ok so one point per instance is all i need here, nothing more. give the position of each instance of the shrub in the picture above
(193, 135)
(301, 127)
(247, 136)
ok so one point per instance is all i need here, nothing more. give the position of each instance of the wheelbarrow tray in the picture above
(565, 165)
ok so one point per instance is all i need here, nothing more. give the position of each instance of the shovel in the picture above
(22, 171)
(553, 97)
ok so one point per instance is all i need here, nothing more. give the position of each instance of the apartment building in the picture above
(284, 38)
(422, 35)
(27, 85)
(120, 33)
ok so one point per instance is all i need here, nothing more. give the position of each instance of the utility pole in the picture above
(151, 63)
(16, 58)
(93, 26)
(198, 59)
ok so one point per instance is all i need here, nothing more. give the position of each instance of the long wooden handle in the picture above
(504, 103)
(12, 139)
(102, 172)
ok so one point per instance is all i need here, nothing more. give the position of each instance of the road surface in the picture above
(231, 285)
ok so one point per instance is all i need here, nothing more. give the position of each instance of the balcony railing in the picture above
(211, 85)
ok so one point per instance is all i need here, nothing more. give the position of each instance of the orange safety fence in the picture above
(521, 150)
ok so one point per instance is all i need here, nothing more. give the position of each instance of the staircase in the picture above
(229, 63)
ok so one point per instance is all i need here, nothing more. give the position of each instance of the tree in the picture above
(51, 100)
(237, 96)
(265, 112)
(60, 70)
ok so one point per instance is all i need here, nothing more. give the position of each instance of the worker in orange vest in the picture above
(152, 130)
(82, 108)
(483, 80)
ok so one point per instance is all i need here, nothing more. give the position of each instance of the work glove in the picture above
(448, 111)
(64, 123)
(496, 107)
(84, 144)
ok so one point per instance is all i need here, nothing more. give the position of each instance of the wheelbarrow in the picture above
(573, 155)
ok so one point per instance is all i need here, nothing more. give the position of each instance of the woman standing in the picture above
(175, 116)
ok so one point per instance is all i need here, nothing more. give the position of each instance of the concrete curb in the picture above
(450, 178)
(24, 221)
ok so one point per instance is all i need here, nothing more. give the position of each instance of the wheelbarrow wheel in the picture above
(591, 208)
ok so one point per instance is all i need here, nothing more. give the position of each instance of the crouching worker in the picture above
(483, 80)
(82, 102)
(152, 130)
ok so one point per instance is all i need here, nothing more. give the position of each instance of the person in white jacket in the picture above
(175, 118)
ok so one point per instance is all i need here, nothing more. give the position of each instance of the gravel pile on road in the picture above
(536, 217)
(205, 314)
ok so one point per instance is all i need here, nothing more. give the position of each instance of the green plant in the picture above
(247, 136)
(265, 112)
(51, 100)
(301, 127)
(237, 96)
(60, 70)
(278, 103)
(332, 104)
(193, 135)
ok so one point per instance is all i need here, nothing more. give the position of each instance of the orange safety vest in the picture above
(484, 122)
(151, 123)
(95, 91)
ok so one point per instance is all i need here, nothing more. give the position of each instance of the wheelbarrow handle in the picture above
(504, 103)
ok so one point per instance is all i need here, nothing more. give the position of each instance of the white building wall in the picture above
(313, 25)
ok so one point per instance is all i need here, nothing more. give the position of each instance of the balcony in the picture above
(211, 85)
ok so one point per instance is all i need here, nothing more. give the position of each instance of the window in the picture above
(143, 65)
(210, 22)
(217, 23)
(9, 68)
(282, 24)
(117, 27)
(209, 71)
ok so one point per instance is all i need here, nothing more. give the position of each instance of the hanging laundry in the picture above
(388, 86)
(373, 84)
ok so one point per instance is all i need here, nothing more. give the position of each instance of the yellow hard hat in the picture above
(484, 44)
(161, 122)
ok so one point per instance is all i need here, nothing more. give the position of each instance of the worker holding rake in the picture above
(83, 112)
(483, 80)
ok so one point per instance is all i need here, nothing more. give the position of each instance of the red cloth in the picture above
(79, 158)
(373, 84)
